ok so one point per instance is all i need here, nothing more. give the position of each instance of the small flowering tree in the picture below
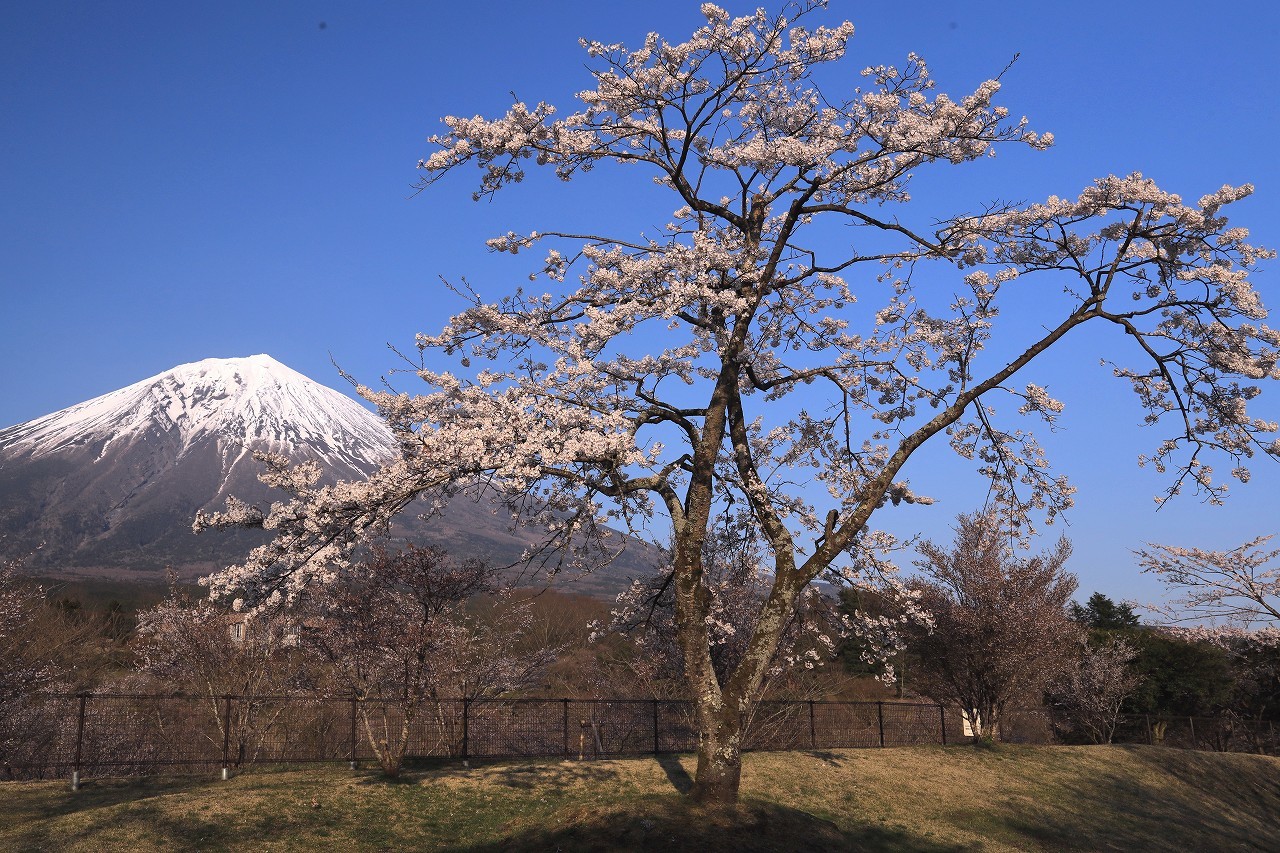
(194, 644)
(1000, 630)
(26, 665)
(747, 351)
(1087, 696)
(32, 659)
(402, 631)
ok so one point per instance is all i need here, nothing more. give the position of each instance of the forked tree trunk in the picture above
(721, 707)
(715, 713)
(389, 752)
(986, 726)
(722, 711)
(719, 772)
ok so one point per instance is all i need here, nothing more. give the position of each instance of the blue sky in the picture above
(189, 181)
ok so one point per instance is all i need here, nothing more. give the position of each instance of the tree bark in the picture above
(719, 772)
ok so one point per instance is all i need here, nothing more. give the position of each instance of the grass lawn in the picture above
(954, 798)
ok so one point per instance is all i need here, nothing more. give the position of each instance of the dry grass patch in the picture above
(925, 799)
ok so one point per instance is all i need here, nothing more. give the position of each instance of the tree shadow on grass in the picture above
(829, 758)
(145, 826)
(1250, 786)
(100, 793)
(671, 822)
(556, 777)
(676, 774)
(525, 776)
(125, 808)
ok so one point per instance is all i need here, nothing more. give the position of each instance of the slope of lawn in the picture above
(910, 799)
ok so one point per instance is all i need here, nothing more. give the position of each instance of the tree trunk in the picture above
(719, 770)
(986, 727)
(390, 753)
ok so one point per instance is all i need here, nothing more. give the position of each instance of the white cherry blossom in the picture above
(643, 376)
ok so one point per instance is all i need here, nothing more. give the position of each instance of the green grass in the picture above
(913, 799)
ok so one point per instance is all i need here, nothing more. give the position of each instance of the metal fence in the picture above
(87, 734)
(134, 734)
(1227, 733)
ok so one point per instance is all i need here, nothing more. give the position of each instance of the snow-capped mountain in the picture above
(111, 486)
(118, 478)
(236, 404)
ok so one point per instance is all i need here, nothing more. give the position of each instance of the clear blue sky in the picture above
(184, 181)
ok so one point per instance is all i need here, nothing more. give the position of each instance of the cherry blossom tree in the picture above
(26, 665)
(1235, 585)
(1000, 629)
(29, 662)
(194, 644)
(1087, 697)
(402, 630)
(749, 350)
(207, 648)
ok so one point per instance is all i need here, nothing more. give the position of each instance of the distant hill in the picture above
(109, 487)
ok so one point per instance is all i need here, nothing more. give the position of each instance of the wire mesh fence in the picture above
(114, 734)
(1226, 733)
(87, 735)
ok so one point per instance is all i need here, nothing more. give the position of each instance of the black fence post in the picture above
(75, 772)
(1150, 737)
(942, 715)
(880, 719)
(352, 761)
(226, 736)
(813, 729)
(466, 734)
(655, 726)
(564, 716)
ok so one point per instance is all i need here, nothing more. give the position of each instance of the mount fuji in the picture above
(116, 480)
(110, 486)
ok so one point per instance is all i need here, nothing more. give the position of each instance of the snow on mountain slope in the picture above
(111, 485)
(242, 404)
(116, 480)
